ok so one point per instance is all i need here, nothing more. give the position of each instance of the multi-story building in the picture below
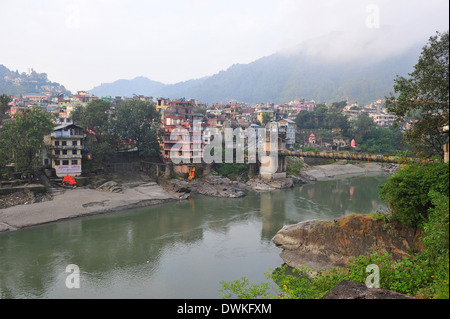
(183, 128)
(383, 119)
(66, 147)
(287, 126)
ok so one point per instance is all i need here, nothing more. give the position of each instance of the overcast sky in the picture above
(83, 43)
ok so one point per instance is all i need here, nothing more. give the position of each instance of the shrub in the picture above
(407, 192)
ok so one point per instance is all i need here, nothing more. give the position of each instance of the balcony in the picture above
(67, 147)
(67, 156)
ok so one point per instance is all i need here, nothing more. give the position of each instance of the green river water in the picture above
(176, 250)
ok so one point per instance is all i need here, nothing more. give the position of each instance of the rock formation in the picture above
(325, 244)
(352, 290)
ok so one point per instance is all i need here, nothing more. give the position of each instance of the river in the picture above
(176, 250)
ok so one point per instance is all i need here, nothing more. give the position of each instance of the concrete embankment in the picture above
(79, 202)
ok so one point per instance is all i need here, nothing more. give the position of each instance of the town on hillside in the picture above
(67, 142)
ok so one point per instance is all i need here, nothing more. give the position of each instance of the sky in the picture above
(83, 43)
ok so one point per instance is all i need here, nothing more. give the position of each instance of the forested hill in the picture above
(280, 78)
(15, 83)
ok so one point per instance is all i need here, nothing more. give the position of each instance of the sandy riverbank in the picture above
(332, 171)
(73, 203)
(79, 202)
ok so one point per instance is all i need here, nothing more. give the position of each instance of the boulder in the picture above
(110, 186)
(353, 290)
(325, 244)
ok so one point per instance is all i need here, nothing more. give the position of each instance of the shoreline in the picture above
(335, 171)
(80, 202)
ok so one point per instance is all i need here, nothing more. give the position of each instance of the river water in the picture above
(176, 250)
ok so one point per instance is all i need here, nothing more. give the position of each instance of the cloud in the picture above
(82, 43)
(358, 29)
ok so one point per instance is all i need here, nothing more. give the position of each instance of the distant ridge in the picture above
(281, 78)
(15, 83)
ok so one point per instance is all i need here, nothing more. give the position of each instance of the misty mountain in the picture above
(281, 78)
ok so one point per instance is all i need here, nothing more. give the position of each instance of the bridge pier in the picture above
(168, 171)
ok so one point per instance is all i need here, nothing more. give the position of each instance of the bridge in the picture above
(267, 167)
(343, 156)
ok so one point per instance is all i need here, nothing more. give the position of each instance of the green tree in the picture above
(266, 118)
(362, 126)
(4, 101)
(337, 120)
(95, 119)
(424, 97)
(23, 139)
(138, 124)
(408, 191)
(382, 141)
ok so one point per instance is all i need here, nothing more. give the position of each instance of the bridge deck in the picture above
(347, 156)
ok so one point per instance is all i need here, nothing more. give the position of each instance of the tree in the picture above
(424, 97)
(138, 124)
(382, 141)
(94, 118)
(4, 101)
(22, 140)
(408, 191)
(361, 127)
(266, 118)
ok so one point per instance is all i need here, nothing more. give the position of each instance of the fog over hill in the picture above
(282, 77)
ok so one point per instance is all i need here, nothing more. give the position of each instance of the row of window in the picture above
(66, 162)
(64, 152)
(64, 143)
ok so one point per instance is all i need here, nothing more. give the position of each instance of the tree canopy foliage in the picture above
(22, 139)
(138, 123)
(424, 97)
(131, 124)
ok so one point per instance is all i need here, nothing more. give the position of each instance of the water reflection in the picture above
(179, 250)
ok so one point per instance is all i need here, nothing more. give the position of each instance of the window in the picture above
(65, 162)
(74, 162)
(57, 162)
(74, 143)
(64, 152)
(74, 152)
(56, 143)
(64, 143)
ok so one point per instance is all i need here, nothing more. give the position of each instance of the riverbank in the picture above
(78, 202)
(84, 201)
(341, 170)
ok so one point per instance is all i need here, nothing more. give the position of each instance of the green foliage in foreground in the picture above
(408, 191)
(418, 195)
(413, 275)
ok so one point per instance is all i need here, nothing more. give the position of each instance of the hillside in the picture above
(280, 78)
(15, 83)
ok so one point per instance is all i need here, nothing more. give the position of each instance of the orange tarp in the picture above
(70, 180)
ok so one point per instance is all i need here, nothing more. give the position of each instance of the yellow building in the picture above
(260, 115)
(162, 104)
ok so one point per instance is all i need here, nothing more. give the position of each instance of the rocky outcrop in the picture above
(261, 184)
(220, 186)
(110, 186)
(217, 186)
(177, 188)
(353, 290)
(325, 244)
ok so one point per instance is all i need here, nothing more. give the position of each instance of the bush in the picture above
(408, 191)
(231, 169)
